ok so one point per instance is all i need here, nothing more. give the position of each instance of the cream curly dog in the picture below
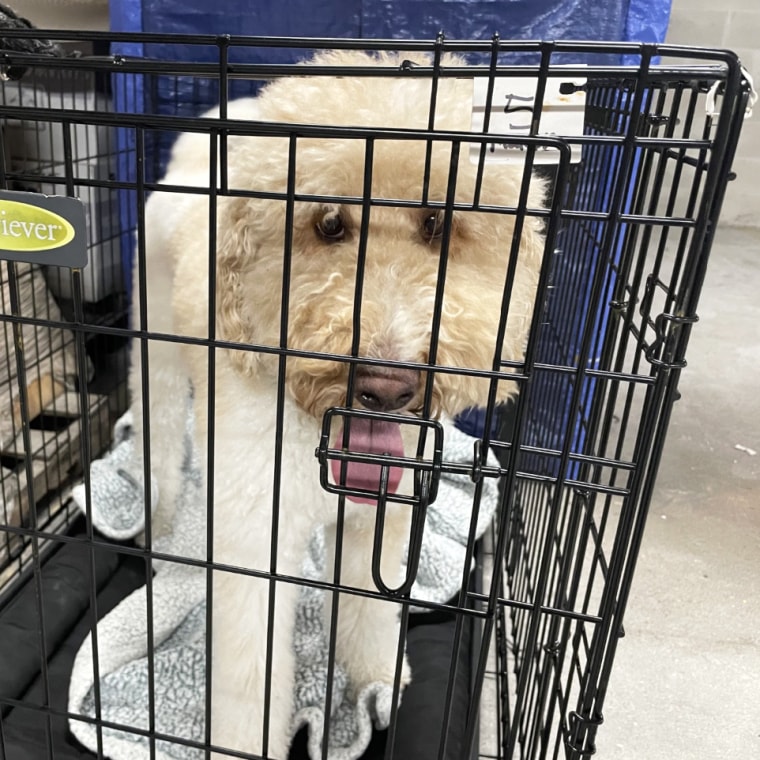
(286, 258)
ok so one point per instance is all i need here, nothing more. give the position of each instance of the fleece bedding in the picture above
(178, 604)
(29, 734)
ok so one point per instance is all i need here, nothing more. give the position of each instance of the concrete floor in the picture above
(686, 679)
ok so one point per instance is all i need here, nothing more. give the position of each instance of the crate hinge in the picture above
(661, 353)
(581, 735)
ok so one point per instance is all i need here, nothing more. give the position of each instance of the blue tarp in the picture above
(637, 20)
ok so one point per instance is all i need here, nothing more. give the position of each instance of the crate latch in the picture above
(375, 458)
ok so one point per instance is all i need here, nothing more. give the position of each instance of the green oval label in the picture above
(24, 227)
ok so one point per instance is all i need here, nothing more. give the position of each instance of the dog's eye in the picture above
(432, 225)
(331, 226)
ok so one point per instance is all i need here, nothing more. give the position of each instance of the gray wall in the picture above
(732, 24)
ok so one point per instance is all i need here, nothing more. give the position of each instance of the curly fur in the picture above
(399, 286)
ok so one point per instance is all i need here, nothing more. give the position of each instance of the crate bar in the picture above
(510, 482)
(505, 45)
(15, 304)
(211, 566)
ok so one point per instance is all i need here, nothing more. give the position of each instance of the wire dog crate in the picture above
(511, 651)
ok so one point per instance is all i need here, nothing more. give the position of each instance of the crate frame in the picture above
(539, 714)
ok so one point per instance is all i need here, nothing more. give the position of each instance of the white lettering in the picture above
(18, 228)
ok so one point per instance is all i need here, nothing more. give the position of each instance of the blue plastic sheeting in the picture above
(636, 20)
(515, 19)
(647, 21)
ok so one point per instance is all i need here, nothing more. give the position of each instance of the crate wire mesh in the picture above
(629, 224)
(49, 158)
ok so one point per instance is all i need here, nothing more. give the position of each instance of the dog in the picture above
(344, 270)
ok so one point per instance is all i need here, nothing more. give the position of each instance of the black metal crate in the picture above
(526, 641)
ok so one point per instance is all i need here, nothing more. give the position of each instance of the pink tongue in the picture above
(369, 437)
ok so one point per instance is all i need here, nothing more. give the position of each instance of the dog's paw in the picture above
(367, 673)
(380, 691)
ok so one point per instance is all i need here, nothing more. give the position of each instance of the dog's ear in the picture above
(235, 256)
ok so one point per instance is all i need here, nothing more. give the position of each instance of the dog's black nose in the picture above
(385, 389)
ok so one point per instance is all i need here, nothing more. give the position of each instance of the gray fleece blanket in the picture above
(178, 625)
